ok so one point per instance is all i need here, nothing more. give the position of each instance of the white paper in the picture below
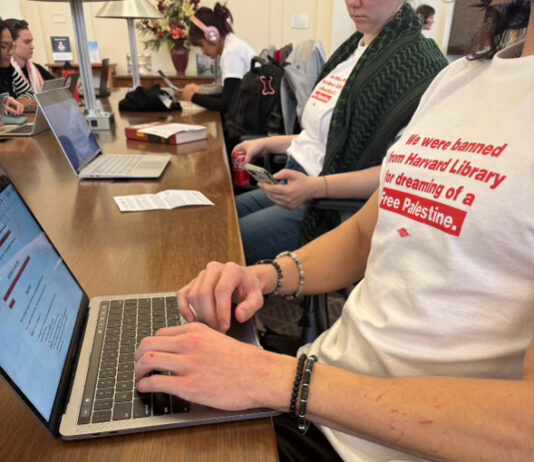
(165, 200)
(167, 130)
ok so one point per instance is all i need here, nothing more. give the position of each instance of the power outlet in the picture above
(300, 21)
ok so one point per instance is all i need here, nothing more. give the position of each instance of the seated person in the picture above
(433, 357)
(10, 81)
(212, 31)
(366, 94)
(427, 12)
(33, 74)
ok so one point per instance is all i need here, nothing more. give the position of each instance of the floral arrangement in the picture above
(173, 28)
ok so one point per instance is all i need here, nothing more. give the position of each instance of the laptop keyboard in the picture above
(113, 164)
(110, 392)
(28, 128)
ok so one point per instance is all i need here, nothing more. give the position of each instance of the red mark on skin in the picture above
(426, 422)
(379, 397)
(394, 411)
(151, 355)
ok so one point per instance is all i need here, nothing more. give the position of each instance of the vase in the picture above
(180, 57)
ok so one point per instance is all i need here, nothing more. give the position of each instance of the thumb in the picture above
(248, 307)
(287, 174)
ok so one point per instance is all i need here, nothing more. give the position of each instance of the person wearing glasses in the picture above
(15, 87)
(33, 74)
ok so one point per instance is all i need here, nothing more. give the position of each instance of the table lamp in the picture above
(130, 10)
(97, 119)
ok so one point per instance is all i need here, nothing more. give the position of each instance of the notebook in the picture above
(52, 337)
(69, 126)
(38, 125)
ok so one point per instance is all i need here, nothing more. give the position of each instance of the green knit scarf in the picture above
(377, 101)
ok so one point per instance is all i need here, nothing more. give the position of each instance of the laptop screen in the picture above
(69, 126)
(39, 304)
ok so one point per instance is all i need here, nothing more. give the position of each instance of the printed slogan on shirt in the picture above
(425, 202)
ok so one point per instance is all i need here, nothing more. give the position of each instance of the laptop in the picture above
(70, 359)
(48, 85)
(7, 130)
(69, 126)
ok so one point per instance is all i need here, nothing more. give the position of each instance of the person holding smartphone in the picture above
(366, 94)
(433, 356)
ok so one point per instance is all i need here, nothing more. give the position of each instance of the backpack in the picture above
(256, 108)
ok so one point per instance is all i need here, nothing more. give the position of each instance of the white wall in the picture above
(259, 22)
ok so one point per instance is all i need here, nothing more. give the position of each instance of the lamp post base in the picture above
(99, 120)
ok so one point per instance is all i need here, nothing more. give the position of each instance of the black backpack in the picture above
(256, 108)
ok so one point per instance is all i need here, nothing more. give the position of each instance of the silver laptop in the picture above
(70, 359)
(7, 130)
(48, 85)
(79, 145)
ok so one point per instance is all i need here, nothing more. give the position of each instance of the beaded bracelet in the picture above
(297, 261)
(280, 280)
(296, 385)
(303, 423)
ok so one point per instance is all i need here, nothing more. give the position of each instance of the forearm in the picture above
(350, 185)
(333, 261)
(439, 418)
(276, 144)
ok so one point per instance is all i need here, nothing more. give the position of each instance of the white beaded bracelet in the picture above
(297, 261)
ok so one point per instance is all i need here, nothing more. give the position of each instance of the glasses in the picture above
(7, 48)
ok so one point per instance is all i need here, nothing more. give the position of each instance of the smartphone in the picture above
(169, 83)
(260, 174)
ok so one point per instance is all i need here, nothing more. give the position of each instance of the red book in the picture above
(166, 133)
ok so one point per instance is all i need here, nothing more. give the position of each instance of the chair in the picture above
(315, 318)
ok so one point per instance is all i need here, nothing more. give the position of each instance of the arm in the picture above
(439, 418)
(220, 102)
(344, 250)
(300, 187)
(262, 146)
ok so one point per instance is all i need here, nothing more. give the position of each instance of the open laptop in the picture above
(70, 359)
(69, 126)
(7, 130)
(48, 85)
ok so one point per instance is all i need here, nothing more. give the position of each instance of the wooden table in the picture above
(125, 80)
(119, 253)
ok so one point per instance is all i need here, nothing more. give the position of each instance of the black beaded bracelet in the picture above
(280, 280)
(302, 422)
(296, 386)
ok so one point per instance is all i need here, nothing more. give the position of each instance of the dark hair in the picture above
(220, 17)
(3, 25)
(499, 21)
(425, 11)
(15, 26)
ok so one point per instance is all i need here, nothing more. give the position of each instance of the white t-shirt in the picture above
(309, 147)
(235, 58)
(448, 289)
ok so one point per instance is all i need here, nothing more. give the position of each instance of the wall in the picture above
(261, 23)
(272, 25)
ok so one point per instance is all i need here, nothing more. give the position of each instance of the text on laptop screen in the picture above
(39, 303)
(69, 126)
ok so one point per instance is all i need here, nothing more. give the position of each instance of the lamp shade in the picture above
(130, 9)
